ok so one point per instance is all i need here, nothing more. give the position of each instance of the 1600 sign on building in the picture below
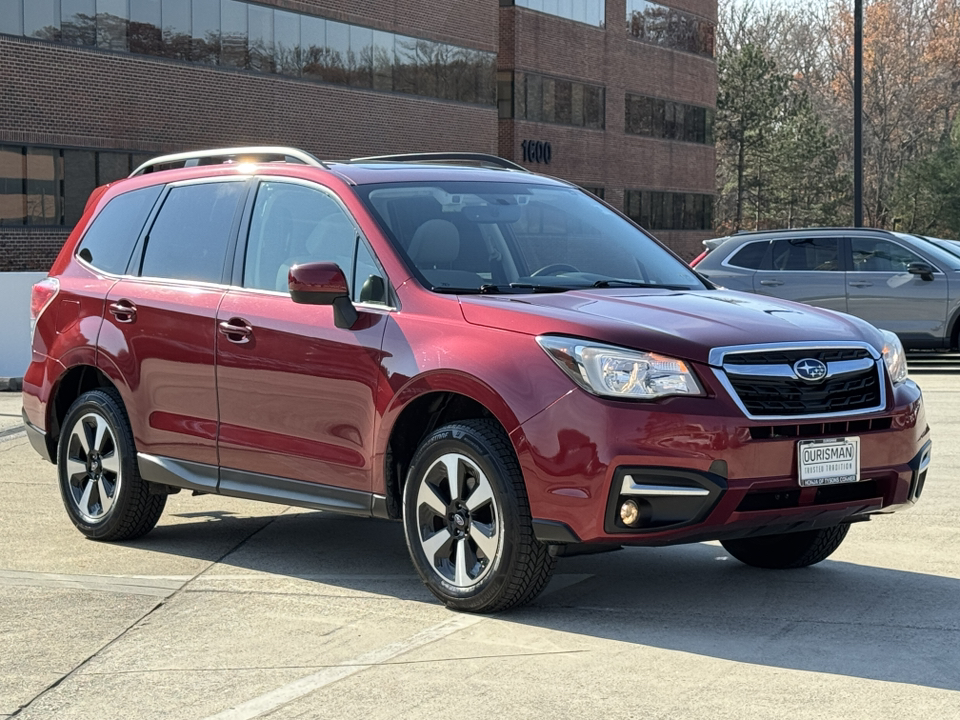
(536, 151)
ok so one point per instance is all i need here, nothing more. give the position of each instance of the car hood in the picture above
(683, 324)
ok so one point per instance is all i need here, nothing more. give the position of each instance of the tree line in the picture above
(784, 127)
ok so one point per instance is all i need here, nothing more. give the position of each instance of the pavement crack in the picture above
(314, 668)
(106, 646)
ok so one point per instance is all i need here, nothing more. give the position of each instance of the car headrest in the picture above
(435, 242)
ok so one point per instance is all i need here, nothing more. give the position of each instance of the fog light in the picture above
(629, 512)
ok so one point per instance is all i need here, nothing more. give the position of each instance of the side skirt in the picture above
(254, 486)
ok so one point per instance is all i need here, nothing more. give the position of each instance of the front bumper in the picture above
(725, 476)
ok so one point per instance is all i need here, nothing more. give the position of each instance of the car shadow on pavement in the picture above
(836, 617)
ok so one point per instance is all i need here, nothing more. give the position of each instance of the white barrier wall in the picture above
(15, 321)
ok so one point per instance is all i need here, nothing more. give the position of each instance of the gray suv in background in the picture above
(908, 284)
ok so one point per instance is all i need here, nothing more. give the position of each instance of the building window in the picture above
(668, 120)
(527, 96)
(598, 191)
(670, 28)
(589, 12)
(262, 39)
(655, 210)
(42, 186)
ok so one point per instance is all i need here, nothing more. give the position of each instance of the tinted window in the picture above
(806, 254)
(750, 256)
(368, 281)
(465, 235)
(871, 255)
(109, 241)
(188, 240)
(295, 224)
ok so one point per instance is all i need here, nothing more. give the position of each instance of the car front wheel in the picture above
(467, 520)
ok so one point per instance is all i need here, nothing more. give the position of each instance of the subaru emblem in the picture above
(810, 370)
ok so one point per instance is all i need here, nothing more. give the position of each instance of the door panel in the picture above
(158, 331)
(297, 394)
(882, 292)
(807, 270)
(164, 350)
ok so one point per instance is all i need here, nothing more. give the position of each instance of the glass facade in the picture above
(528, 96)
(670, 28)
(668, 120)
(50, 186)
(589, 12)
(247, 36)
(656, 210)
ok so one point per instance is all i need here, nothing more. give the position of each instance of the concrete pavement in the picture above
(232, 609)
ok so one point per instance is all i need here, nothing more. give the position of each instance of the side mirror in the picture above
(323, 284)
(922, 269)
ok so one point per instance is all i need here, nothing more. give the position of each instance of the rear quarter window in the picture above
(750, 256)
(108, 242)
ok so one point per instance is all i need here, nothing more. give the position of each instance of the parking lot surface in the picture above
(232, 609)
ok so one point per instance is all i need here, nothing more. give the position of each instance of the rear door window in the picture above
(806, 254)
(189, 238)
(109, 241)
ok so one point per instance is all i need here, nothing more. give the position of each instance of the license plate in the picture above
(828, 462)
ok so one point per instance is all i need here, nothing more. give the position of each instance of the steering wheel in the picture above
(553, 269)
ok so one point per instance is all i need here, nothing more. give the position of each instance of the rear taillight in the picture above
(42, 295)
(698, 258)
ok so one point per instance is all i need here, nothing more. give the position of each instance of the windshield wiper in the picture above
(536, 287)
(613, 282)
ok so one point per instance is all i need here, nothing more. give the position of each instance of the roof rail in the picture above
(228, 155)
(451, 158)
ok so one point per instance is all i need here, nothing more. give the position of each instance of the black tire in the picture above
(110, 471)
(520, 566)
(788, 551)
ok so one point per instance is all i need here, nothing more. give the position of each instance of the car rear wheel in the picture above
(791, 550)
(467, 520)
(100, 482)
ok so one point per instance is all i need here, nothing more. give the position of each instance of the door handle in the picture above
(124, 310)
(236, 330)
(771, 283)
(860, 283)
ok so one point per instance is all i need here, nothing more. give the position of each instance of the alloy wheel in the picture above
(93, 467)
(459, 524)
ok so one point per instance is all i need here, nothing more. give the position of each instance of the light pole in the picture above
(858, 113)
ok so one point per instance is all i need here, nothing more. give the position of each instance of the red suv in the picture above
(501, 361)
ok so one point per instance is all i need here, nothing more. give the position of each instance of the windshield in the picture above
(518, 237)
(944, 251)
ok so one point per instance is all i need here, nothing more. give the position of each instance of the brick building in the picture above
(615, 95)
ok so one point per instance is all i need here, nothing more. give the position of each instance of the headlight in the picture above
(894, 357)
(618, 372)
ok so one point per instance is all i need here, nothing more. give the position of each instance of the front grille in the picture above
(774, 394)
(790, 356)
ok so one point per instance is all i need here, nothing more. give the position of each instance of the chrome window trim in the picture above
(717, 356)
(278, 293)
